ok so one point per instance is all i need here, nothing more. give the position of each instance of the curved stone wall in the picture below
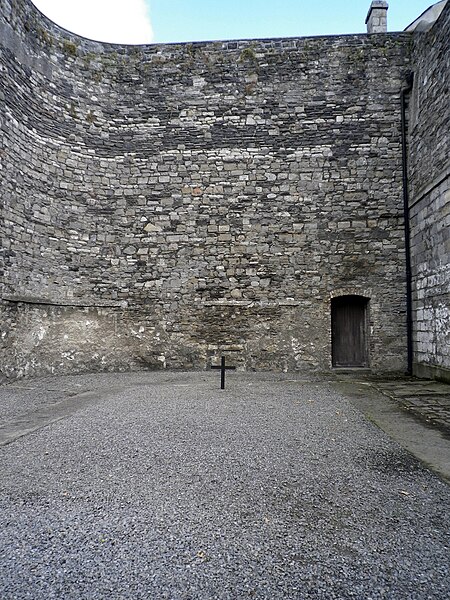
(164, 204)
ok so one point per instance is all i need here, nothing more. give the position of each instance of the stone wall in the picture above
(164, 204)
(430, 200)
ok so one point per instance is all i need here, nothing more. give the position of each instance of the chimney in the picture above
(377, 17)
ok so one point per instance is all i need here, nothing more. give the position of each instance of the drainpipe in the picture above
(409, 320)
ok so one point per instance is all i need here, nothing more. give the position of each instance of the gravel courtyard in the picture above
(162, 486)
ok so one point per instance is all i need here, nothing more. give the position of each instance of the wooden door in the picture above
(349, 331)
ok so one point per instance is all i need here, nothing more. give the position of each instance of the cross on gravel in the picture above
(223, 368)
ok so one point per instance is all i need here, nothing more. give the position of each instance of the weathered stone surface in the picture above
(224, 191)
(376, 19)
(430, 200)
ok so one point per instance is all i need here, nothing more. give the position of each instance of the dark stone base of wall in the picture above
(41, 339)
(424, 371)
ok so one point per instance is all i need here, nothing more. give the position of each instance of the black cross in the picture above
(223, 368)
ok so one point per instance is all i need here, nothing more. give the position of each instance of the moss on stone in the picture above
(45, 36)
(91, 118)
(69, 47)
(247, 54)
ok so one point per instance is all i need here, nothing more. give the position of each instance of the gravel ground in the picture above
(165, 487)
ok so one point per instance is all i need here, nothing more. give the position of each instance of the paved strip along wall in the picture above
(164, 204)
(430, 200)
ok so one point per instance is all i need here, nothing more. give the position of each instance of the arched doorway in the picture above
(349, 335)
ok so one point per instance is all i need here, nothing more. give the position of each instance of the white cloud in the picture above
(117, 21)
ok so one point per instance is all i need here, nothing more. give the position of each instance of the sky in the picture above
(162, 21)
